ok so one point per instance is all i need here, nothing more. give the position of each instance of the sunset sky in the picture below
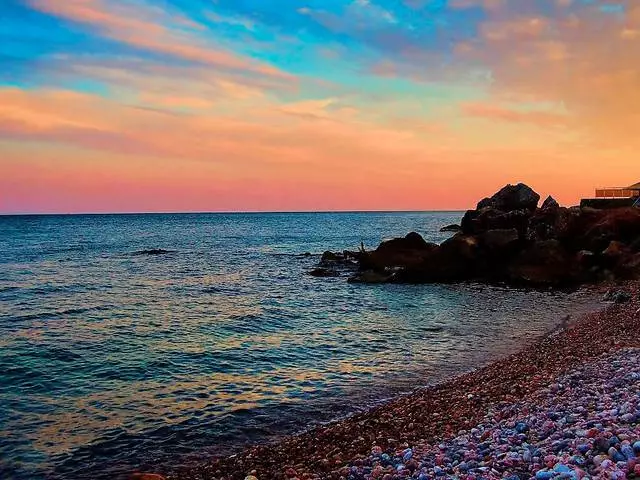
(282, 105)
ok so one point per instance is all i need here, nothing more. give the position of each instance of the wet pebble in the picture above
(583, 426)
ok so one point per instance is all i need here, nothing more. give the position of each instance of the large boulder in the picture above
(550, 203)
(544, 262)
(500, 241)
(476, 222)
(398, 252)
(322, 272)
(456, 259)
(512, 197)
(622, 224)
(413, 241)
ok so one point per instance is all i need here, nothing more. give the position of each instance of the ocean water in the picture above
(112, 361)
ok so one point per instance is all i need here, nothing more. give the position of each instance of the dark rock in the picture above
(153, 251)
(600, 227)
(324, 272)
(507, 239)
(398, 252)
(456, 259)
(544, 263)
(485, 203)
(479, 221)
(616, 250)
(451, 228)
(550, 203)
(413, 241)
(371, 276)
(500, 240)
(512, 197)
(617, 296)
(330, 257)
(585, 258)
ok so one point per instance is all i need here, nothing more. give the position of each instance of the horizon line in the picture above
(224, 212)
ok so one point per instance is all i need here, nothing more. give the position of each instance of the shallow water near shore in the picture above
(112, 360)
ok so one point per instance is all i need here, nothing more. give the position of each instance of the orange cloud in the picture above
(582, 58)
(85, 150)
(496, 112)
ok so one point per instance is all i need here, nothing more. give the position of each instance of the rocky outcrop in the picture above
(508, 239)
(337, 264)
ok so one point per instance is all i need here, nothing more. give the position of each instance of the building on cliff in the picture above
(614, 197)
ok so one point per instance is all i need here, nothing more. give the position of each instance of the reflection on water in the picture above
(111, 361)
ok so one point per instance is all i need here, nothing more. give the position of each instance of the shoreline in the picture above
(436, 412)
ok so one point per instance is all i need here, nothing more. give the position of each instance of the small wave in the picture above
(8, 289)
(296, 255)
(61, 313)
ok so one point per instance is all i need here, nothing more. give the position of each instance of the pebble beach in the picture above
(566, 406)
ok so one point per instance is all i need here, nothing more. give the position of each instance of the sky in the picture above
(303, 105)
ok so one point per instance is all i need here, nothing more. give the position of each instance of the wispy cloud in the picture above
(146, 27)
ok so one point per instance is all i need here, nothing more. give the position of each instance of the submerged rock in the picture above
(324, 272)
(451, 228)
(371, 276)
(153, 251)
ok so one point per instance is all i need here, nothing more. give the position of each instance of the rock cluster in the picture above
(508, 239)
(334, 264)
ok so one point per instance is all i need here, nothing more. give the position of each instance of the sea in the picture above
(112, 360)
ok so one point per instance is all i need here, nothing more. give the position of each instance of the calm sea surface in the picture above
(111, 361)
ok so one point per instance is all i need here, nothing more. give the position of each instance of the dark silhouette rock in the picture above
(512, 197)
(544, 263)
(331, 257)
(454, 260)
(451, 228)
(550, 203)
(586, 258)
(406, 251)
(324, 272)
(508, 240)
(485, 203)
(616, 250)
(622, 224)
(413, 241)
(476, 222)
(500, 240)
(371, 276)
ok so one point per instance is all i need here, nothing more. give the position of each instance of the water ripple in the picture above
(111, 361)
